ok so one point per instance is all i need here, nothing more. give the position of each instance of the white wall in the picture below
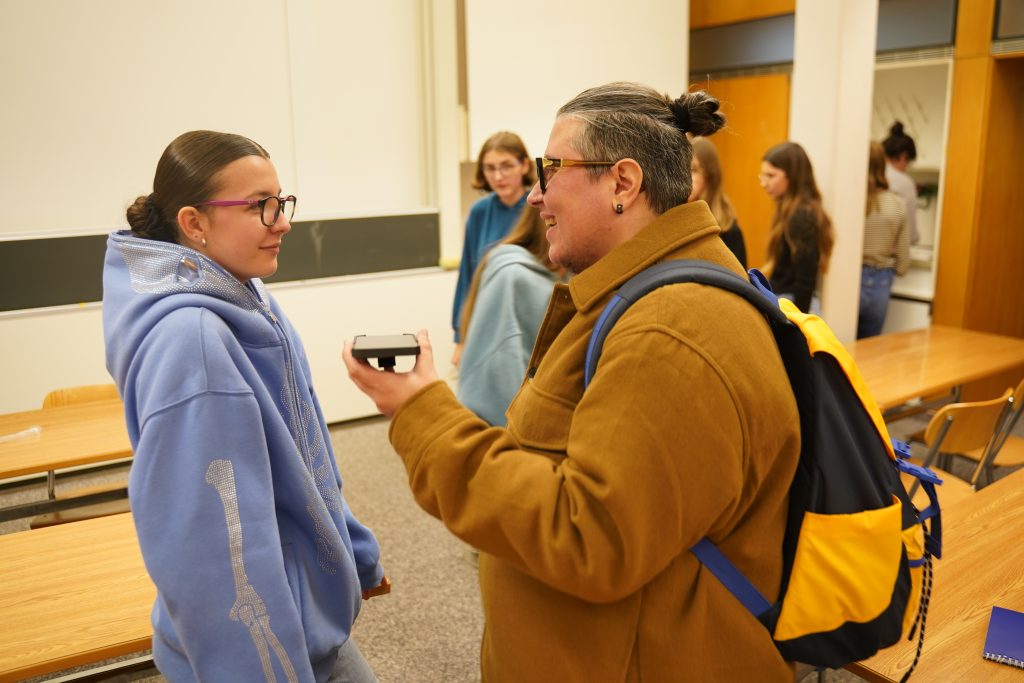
(96, 90)
(527, 60)
(327, 312)
(830, 116)
(47, 348)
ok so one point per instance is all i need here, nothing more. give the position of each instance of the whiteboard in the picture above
(94, 91)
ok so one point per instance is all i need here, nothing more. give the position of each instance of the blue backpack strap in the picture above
(758, 292)
(933, 537)
(731, 577)
(929, 480)
(675, 272)
(758, 279)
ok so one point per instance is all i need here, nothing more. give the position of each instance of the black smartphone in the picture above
(385, 347)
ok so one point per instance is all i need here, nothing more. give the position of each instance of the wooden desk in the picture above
(68, 436)
(981, 567)
(72, 595)
(907, 365)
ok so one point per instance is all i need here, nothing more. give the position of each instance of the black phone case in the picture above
(385, 346)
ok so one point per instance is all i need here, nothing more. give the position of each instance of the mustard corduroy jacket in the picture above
(585, 507)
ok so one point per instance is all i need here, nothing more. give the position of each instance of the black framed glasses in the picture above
(546, 168)
(270, 207)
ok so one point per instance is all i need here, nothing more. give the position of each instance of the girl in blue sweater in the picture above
(504, 169)
(258, 562)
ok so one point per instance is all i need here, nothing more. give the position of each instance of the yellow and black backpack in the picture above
(856, 552)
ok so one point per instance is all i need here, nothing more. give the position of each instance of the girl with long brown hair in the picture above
(706, 170)
(801, 238)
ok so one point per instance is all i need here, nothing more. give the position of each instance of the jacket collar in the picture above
(669, 232)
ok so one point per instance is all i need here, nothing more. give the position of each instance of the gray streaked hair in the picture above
(628, 120)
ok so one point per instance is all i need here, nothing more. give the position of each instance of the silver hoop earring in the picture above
(618, 208)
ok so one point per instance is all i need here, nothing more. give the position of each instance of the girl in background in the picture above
(706, 171)
(900, 150)
(504, 169)
(886, 246)
(504, 309)
(801, 238)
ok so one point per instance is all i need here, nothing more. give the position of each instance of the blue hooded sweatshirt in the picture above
(257, 560)
(510, 304)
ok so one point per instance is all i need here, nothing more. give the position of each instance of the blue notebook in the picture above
(1005, 640)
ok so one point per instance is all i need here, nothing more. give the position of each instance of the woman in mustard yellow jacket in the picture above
(584, 508)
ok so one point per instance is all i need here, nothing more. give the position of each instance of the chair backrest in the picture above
(1013, 414)
(1016, 410)
(962, 427)
(971, 425)
(86, 393)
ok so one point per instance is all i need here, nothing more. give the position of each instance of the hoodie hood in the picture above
(505, 255)
(142, 281)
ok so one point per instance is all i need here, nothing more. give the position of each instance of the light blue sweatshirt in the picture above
(510, 305)
(257, 559)
(488, 222)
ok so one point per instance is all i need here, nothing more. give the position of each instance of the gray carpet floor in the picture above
(428, 629)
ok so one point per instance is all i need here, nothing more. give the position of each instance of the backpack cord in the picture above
(922, 614)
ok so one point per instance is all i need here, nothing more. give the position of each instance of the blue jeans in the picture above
(351, 667)
(875, 286)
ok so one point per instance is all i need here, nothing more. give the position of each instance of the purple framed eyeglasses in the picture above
(270, 207)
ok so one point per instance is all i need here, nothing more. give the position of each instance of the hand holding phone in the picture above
(390, 390)
(385, 347)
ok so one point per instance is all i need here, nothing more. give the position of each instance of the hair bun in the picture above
(153, 217)
(896, 130)
(681, 115)
(697, 113)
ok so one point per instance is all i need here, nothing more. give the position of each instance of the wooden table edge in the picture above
(86, 658)
(55, 465)
(868, 674)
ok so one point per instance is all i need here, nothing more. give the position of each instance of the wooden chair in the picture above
(87, 393)
(956, 428)
(959, 428)
(1008, 450)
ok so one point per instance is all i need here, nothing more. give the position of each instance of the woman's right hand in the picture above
(457, 354)
(389, 390)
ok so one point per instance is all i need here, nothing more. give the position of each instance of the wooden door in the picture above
(757, 110)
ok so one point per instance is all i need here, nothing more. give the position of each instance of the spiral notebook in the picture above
(1005, 640)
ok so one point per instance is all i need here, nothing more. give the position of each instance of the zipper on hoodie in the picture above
(293, 391)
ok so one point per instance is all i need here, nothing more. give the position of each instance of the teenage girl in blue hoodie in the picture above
(258, 562)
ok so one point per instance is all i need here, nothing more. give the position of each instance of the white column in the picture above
(443, 121)
(830, 115)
